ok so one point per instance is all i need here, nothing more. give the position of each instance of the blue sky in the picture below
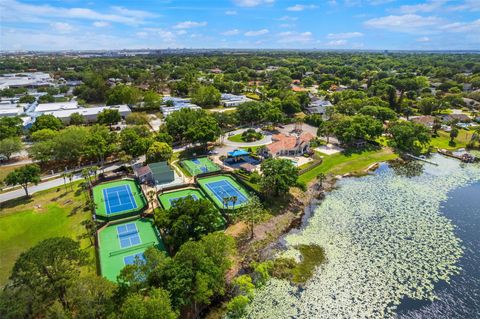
(331, 24)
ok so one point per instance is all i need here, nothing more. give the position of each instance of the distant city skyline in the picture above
(257, 24)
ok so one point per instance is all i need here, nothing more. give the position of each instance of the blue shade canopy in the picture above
(237, 153)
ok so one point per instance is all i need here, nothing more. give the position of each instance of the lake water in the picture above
(460, 298)
(403, 242)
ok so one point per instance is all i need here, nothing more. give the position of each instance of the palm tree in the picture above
(94, 170)
(64, 175)
(151, 197)
(70, 178)
(86, 176)
(225, 203)
(233, 199)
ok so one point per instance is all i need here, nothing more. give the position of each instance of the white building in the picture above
(178, 104)
(12, 111)
(90, 113)
(231, 100)
(318, 107)
(43, 108)
(17, 80)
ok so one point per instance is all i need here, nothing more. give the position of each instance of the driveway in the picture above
(228, 146)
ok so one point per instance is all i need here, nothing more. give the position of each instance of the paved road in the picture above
(228, 146)
(46, 185)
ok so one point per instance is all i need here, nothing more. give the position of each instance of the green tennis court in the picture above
(121, 244)
(224, 191)
(199, 165)
(168, 200)
(118, 198)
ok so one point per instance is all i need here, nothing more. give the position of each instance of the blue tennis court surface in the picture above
(196, 161)
(128, 235)
(223, 189)
(173, 200)
(130, 260)
(118, 199)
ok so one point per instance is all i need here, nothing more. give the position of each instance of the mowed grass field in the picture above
(443, 140)
(341, 163)
(51, 213)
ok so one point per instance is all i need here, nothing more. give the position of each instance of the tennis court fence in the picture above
(132, 248)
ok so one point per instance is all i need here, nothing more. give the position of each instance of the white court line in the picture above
(132, 200)
(107, 202)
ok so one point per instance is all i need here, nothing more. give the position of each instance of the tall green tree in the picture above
(187, 219)
(159, 152)
(77, 119)
(252, 213)
(10, 145)
(10, 127)
(46, 121)
(135, 140)
(203, 130)
(23, 176)
(348, 129)
(206, 96)
(278, 176)
(408, 136)
(109, 117)
(100, 143)
(123, 94)
(251, 112)
(155, 304)
(48, 269)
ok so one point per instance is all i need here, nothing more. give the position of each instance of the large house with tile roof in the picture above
(289, 145)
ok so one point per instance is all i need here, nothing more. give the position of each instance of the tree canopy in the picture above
(278, 176)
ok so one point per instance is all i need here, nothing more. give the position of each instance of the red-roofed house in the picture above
(289, 145)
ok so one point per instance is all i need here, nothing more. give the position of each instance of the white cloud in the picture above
(301, 7)
(423, 39)
(100, 24)
(252, 3)
(19, 11)
(181, 32)
(428, 6)
(467, 5)
(347, 35)
(379, 2)
(286, 25)
(166, 35)
(408, 23)
(255, 33)
(462, 27)
(336, 43)
(139, 14)
(189, 24)
(288, 18)
(62, 27)
(295, 37)
(231, 12)
(231, 32)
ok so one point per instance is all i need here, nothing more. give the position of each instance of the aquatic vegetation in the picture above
(384, 240)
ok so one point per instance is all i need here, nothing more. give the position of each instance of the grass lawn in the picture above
(236, 138)
(443, 140)
(341, 163)
(49, 213)
(253, 96)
